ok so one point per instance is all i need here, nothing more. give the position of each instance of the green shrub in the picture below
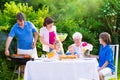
(6, 67)
(70, 27)
(8, 17)
(5, 71)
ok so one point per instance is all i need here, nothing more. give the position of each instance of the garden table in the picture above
(79, 69)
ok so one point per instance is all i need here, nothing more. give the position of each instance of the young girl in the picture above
(106, 66)
(58, 49)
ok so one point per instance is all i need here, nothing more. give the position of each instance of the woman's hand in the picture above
(51, 46)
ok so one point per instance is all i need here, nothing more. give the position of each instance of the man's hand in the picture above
(33, 44)
(7, 52)
(35, 39)
(8, 41)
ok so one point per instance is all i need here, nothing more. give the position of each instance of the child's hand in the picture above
(93, 56)
(99, 69)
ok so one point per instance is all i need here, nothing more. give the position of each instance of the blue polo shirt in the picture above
(24, 36)
(106, 54)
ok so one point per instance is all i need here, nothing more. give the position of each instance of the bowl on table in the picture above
(50, 55)
(62, 36)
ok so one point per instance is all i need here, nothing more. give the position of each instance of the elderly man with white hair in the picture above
(78, 44)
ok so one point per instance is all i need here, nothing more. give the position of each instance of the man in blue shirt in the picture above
(26, 35)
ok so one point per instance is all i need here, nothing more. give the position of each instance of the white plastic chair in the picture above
(115, 49)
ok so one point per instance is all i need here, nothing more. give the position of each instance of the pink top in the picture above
(52, 37)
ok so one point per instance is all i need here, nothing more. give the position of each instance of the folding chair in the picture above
(115, 49)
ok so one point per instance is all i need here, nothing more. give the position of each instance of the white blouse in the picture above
(78, 49)
(45, 33)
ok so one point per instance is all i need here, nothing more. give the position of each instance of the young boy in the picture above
(71, 51)
(106, 63)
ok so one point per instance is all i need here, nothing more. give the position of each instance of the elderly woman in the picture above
(80, 47)
(77, 37)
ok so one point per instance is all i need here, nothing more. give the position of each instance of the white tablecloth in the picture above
(80, 69)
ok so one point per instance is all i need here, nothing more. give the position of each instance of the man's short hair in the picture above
(20, 16)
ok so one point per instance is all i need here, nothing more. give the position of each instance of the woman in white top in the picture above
(48, 34)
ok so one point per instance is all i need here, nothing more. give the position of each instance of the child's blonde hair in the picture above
(57, 42)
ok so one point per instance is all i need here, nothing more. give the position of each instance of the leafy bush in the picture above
(5, 65)
(110, 17)
(95, 15)
(11, 9)
(70, 27)
(5, 72)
